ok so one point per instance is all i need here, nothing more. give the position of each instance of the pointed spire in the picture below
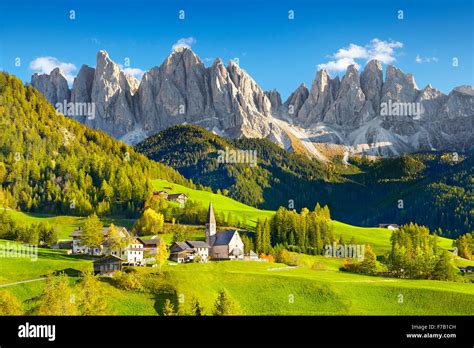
(211, 219)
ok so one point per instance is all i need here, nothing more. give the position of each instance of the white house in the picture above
(132, 253)
(392, 227)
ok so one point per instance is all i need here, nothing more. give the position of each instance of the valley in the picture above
(64, 176)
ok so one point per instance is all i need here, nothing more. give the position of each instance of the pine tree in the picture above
(224, 305)
(168, 308)
(90, 297)
(266, 237)
(259, 237)
(57, 297)
(196, 307)
(444, 269)
(369, 263)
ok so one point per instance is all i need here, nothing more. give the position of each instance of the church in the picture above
(225, 245)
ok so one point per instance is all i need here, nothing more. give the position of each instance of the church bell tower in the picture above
(210, 226)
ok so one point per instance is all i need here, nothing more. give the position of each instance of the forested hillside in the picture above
(431, 189)
(51, 163)
(193, 151)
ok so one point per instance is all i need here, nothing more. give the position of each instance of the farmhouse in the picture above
(181, 252)
(107, 264)
(225, 245)
(150, 244)
(390, 226)
(131, 253)
(181, 198)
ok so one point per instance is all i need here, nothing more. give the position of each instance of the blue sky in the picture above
(277, 52)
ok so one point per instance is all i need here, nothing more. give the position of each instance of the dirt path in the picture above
(22, 282)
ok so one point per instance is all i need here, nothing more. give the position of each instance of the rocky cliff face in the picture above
(112, 94)
(356, 113)
(369, 115)
(54, 86)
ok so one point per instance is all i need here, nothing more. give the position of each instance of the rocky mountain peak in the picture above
(351, 76)
(82, 86)
(54, 86)
(182, 56)
(275, 100)
(229, 102)
(398, 86)
(371, 81)
(465, 89)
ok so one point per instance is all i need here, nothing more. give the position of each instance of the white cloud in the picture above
(186, 42)
(44, 65)
(338, 65)
(383, 50)
(353, 52)
(376, 49)
(135, 72)
(420, 60)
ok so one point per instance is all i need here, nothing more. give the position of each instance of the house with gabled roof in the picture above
(107, 264)
(181, 198)
(131, 253)
(392, 227)
(181, 252)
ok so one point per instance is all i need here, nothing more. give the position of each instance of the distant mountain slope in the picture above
(50, 163)
(442, 198)
(193, 151)
(434, 191)
(362, 113)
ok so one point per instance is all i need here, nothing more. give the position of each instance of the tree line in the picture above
(306, 231)
(50, 163)
(41, 233)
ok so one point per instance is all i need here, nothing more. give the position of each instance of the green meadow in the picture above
(64, 224)
(315, 287)
(221, 203)
(378, 238)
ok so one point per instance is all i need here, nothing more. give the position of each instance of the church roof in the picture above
(210, 215)
(224, 238)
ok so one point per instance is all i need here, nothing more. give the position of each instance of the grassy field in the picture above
(259, 290)
(378, 238)
(15, 268)
(315, 287)
(64, 224)
(221, 203)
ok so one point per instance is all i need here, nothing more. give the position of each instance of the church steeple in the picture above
(210, 226)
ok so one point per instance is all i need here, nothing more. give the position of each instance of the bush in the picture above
(128, 281)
